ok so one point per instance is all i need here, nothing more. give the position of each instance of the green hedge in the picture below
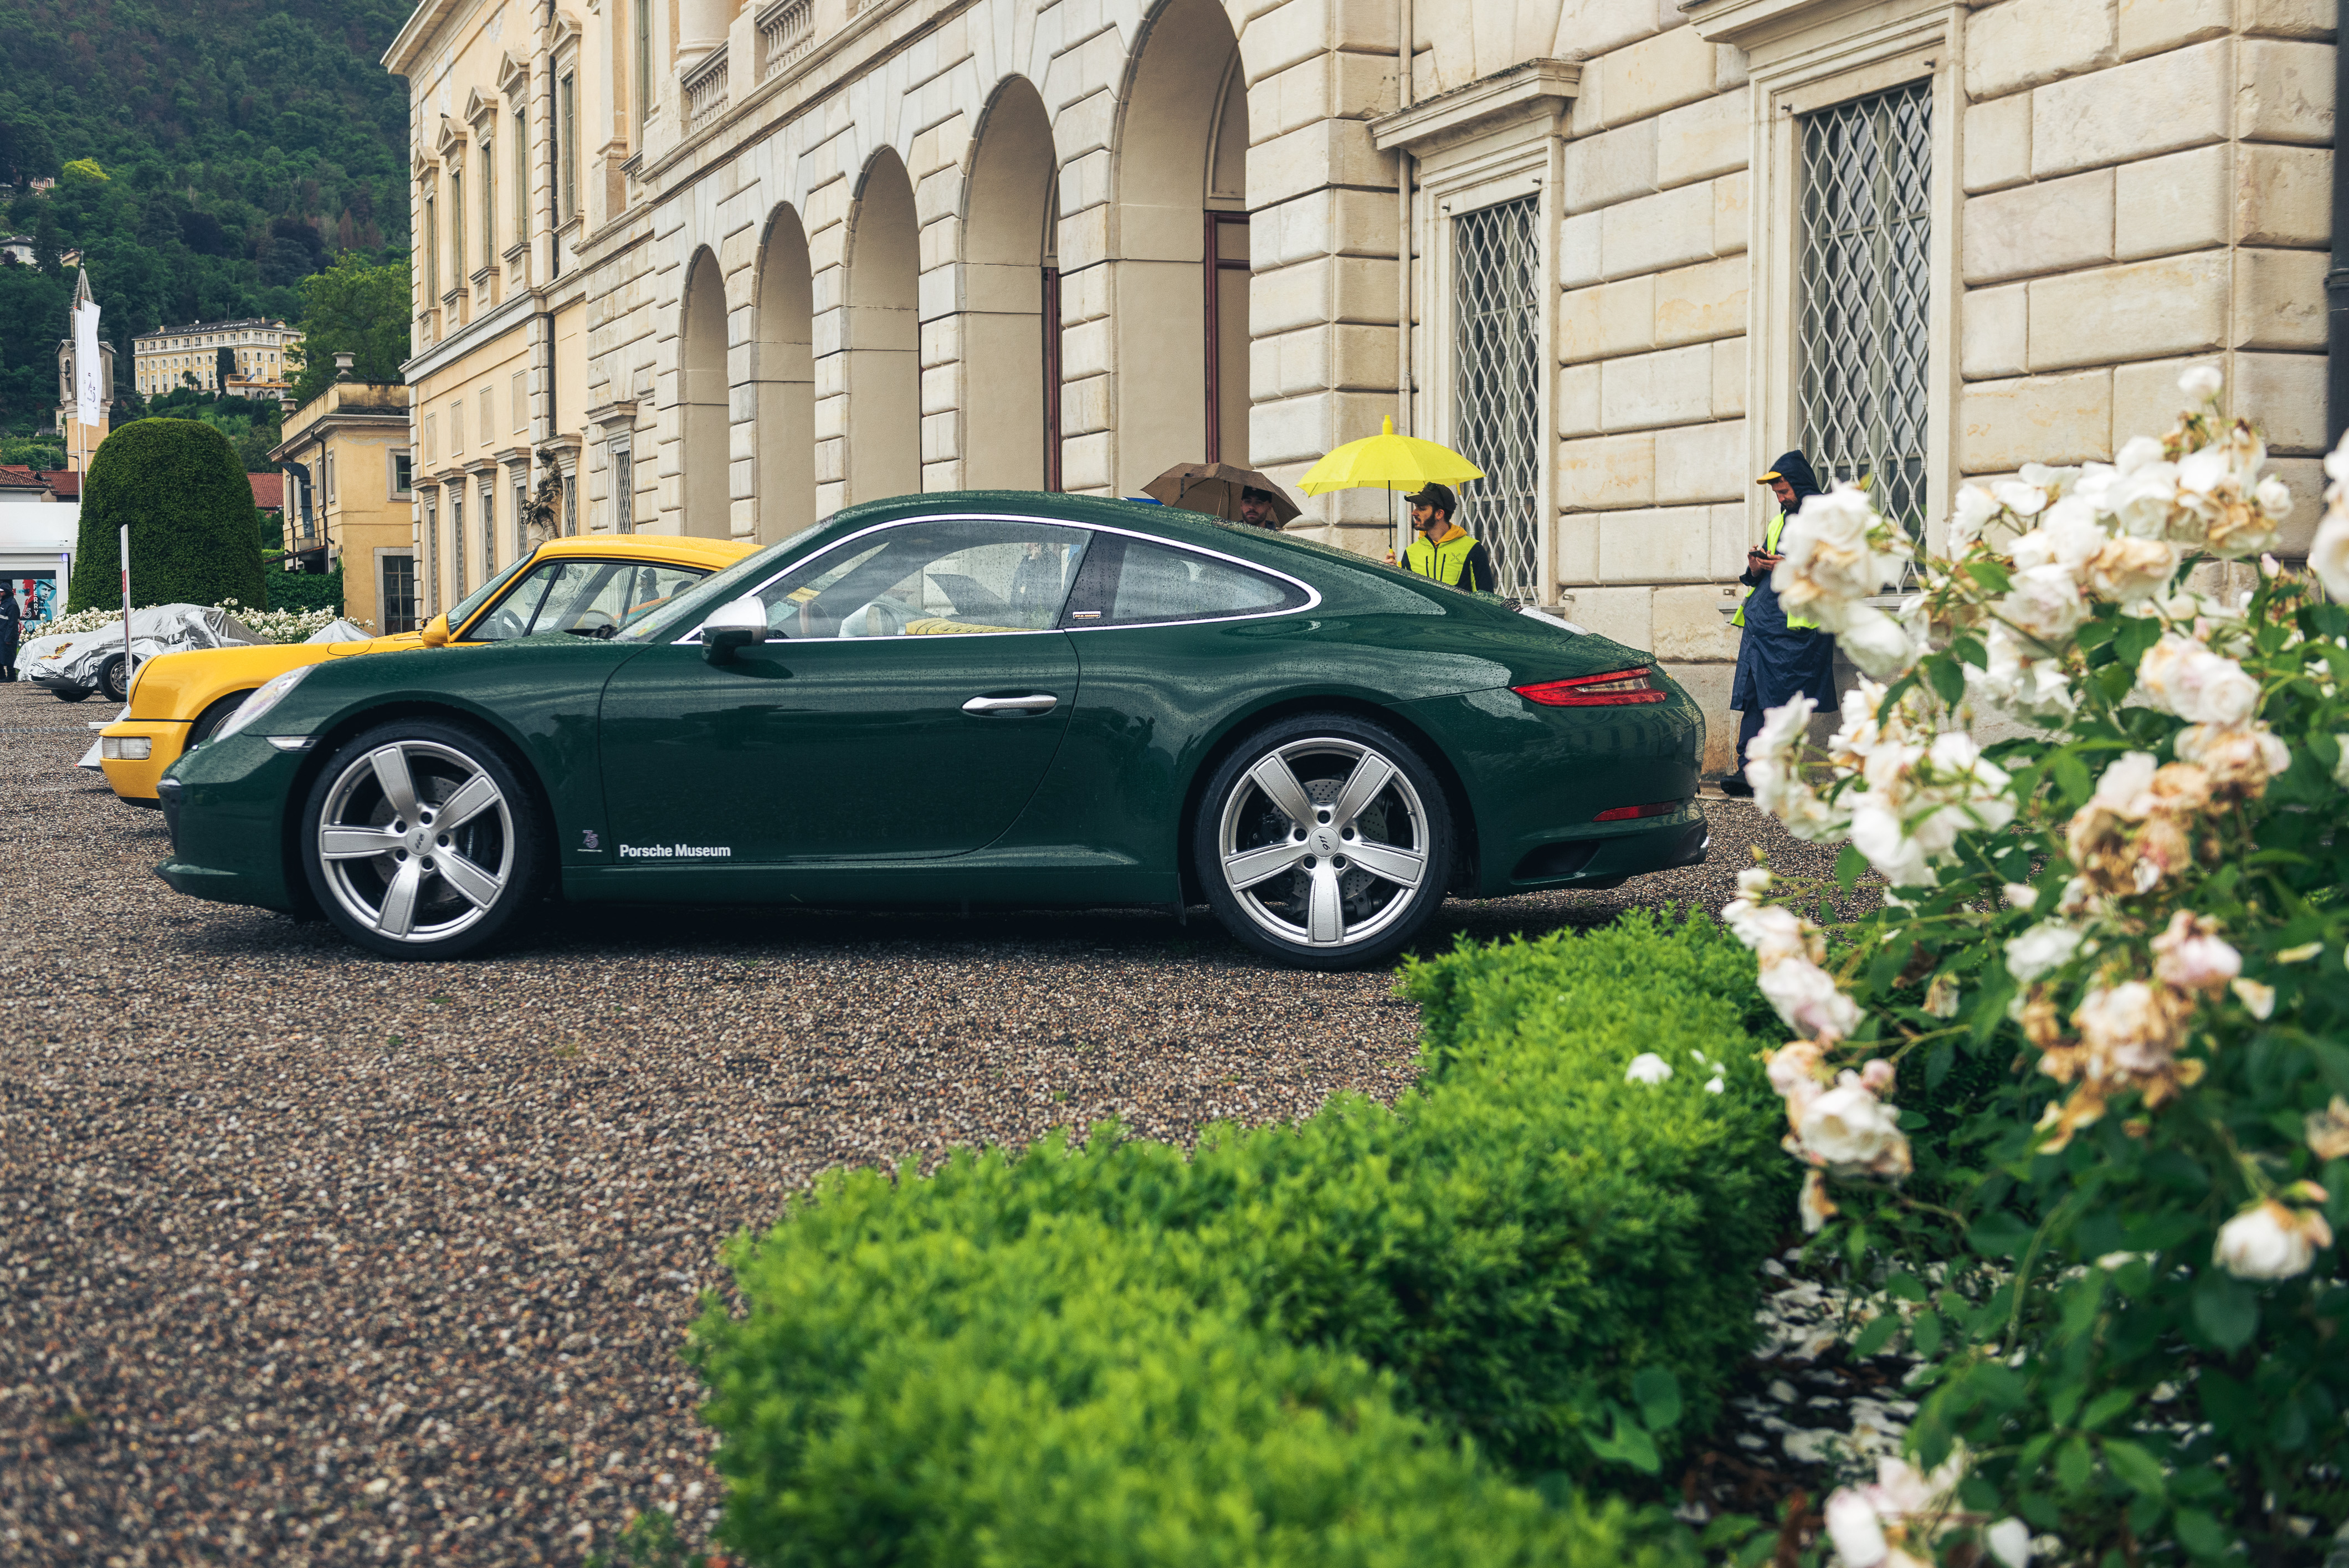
(1300, 1343)
(180, 487)
(305, 590)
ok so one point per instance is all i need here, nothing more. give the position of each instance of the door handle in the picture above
(981, 707)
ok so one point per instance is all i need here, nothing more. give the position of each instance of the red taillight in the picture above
(1612, 689)
(1653, 808)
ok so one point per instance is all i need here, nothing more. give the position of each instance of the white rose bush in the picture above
(2076, 1094)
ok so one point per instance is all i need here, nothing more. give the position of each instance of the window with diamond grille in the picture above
(1496, 376)
(1867, 188)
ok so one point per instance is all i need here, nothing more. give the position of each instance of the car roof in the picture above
(676, 549)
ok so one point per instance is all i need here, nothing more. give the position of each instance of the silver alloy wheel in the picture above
(417, 841)
(1323, 842)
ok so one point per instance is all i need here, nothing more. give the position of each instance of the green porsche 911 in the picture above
(983, 698)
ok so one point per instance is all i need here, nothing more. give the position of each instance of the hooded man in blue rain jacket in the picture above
(1782, 656)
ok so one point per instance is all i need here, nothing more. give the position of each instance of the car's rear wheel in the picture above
(421, 841)
(1324, 841)
(114, 678)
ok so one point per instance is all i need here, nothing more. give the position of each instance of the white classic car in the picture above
(73, 664)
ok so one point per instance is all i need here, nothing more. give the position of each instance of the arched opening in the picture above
(1011, 424)
(785, 376)
(880, 337)
(1181, 285)
(701, 400)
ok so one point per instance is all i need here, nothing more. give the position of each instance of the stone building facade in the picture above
(789, 255)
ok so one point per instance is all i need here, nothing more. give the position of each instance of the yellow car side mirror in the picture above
(436, 632)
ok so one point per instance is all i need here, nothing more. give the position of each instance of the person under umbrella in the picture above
(1780, 656)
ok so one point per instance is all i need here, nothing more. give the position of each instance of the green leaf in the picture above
(1659, 1394)
(1990, 576)
(2225, 1311)
(2108, 1404)
(1877, 1334)
(2071, 776)
(1926, 1334)
(2135, 636)
(1906, 1287)
(1970, 650)
(2137, 1470)
(1999, 1235)
(2074, 1466)
(1949, 679)
(2201, 1534)
(1850, 864)
(2096, 633)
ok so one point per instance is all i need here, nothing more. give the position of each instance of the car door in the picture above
(912, 694)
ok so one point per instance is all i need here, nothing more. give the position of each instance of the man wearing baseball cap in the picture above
(1780, 657)
(1444, 550)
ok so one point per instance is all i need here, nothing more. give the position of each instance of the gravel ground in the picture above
(310, 1258)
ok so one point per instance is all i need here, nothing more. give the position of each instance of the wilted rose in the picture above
(2328, 1130)
(2271, 1241)
(2191, 956)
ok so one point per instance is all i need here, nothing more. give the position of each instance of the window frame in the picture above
(1312, 595)
(1791, 78)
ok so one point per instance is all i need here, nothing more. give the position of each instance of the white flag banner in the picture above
(90, 383)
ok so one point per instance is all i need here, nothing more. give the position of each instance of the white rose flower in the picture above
(2270, 1240)
(2045, 602)
(2021, 498)
(1876, 642)
(1807, 998)
(1647, 1068)
(2130, 1025)
(2273, 496)
(1773, 931)
(2241, 755)
(2191, 956)
(2185, 678)
(2328, 553)
(2020, 896)
(1877, 833)
(2068, 537)
(2010, 1541)
(1974, 512)
(2048, 945)
(2201, 383)
(2129, 570)
(2126, 786)
(1753, 882)
(1849, 1126)
(1858, 1533)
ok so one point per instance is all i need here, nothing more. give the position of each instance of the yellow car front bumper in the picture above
(133, 778)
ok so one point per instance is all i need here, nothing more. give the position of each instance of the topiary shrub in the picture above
(1531, 1259)
(180, 487)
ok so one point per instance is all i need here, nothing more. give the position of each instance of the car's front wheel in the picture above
(114, 678)
(420, 841)
(1324, 841)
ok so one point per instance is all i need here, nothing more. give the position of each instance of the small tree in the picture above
(179, 486)
(354, 308)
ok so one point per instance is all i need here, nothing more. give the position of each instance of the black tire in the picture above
(210, 719)
(70, 693)
(114, 678)
(408, 899)
(1353, 886)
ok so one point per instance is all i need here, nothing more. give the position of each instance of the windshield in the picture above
(474, 601)
(688, 610)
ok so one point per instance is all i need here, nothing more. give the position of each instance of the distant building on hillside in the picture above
(165, 359)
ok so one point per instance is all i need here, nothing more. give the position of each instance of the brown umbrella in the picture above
(1215, 489)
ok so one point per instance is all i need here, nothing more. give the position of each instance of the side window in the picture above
(932, 577)
(594, 599)
(511, 615)
(1128, 582)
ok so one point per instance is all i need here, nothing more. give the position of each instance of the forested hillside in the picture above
(210, 154)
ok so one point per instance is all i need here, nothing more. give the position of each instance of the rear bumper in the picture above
(1683, 840)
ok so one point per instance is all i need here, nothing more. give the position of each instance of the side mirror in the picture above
(436, 632)
(732, 627)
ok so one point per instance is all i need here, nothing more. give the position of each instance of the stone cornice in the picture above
(1534, 89)
(1745, 23)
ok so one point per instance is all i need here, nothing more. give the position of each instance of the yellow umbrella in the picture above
(1388, 461)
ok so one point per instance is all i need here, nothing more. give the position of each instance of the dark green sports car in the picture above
(999, 698)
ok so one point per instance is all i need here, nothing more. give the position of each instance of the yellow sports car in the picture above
(588, 586)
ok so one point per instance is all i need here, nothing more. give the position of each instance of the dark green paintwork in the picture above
(845, 770)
